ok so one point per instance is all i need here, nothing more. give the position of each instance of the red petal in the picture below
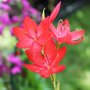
(57, 69)
(75, 42)
(32, 68)
(55, 12)
(60, 55)
(50, 49)
(36, 47)
(29, 53)
(64, 39)
(77, 34)
(43, 26)
(76, 37)
(35, 57)
(45, 73)
(53, 31)
(30, 27)
(44, 38)
(18, 32)
(25, 43)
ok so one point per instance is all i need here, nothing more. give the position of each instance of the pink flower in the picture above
(16, 70)
(63, 35)
(16, 61)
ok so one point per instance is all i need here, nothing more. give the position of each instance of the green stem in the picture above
(53, 81)
(56, 85)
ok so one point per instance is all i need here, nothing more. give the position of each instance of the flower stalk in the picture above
(53, 81)
(43, 52)
(56, 85)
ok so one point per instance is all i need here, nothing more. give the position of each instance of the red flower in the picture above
(46, 63)
(63, 34)
(32, 35)
(42, 51)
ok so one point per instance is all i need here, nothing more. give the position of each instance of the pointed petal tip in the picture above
(59, 3)
(58, 69)
(63, 67)
(27, 51)
(66, 20)
(14, 29)
(77, 34)
(26, 17)
(64, 48)
(55, 12)
(18, 45)
(83, 31)
(76, 42)
(25, 65)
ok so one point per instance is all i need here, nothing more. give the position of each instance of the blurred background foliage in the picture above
(77, 74)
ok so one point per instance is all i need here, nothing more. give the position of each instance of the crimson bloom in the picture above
(42, 51)
(32, 35)
(63, 34)
(46, 62)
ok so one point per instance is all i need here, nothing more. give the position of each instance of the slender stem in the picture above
(53, 81)
(56, 85)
